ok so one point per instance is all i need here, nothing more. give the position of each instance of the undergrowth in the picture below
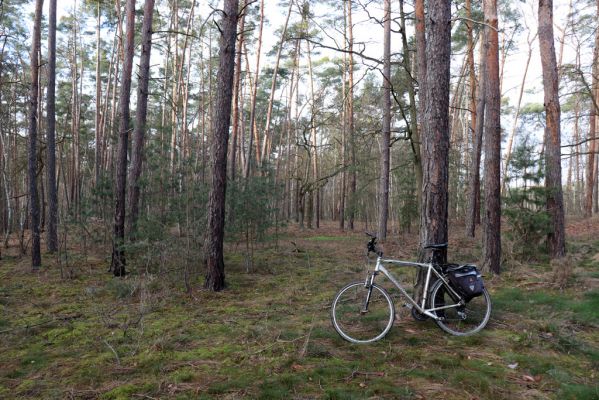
(268, 336)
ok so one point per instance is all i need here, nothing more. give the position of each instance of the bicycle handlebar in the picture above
(371, 245)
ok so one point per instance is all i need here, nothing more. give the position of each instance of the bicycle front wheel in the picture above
(460, 320)
(362, 314)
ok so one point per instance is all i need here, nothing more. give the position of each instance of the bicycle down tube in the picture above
(422, 309)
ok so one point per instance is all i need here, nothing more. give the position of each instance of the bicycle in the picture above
(363, 312)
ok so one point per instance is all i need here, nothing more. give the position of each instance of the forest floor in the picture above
(87, 335)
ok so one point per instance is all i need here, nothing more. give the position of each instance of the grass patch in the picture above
(269, 336)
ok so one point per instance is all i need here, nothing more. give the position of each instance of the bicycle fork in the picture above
(368, 284)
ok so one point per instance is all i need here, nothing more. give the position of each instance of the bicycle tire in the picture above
(460, 321)
(355, 325)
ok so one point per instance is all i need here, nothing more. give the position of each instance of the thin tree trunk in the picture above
(510, 141)
(350, 117)
(492, 220)
(591, 169)
(118, 253)
(215, 275)
(253, 133)
(553, 175)
(236, 94)
(51, 133)
(413, 127)
(97, 148)
(36, 257)
(273, 86)
(386, 128)
(473, 210)
(314, 200)
(140, 116)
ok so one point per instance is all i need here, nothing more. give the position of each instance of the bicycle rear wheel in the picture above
(359, 321)
(460, 320)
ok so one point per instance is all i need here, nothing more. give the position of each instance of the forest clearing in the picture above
(268, 335)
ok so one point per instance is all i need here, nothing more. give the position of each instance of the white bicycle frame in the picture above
(429, 312)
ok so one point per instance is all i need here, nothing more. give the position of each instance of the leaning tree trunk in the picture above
(118, 240)
(386, 131)
(140, 115)
(36, 257)
(553, 175)
(215, 274)
(492, 218)
(51, 133)
(473, 209)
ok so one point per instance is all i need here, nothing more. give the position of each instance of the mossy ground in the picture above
(268, 336)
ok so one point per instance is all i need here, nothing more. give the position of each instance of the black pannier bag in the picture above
(467, 281)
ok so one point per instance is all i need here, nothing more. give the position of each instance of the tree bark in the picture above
(140, 116)
(253, 133)
(215, 274)
(591, 169)
(473, 209)
(553, 170)
(34, 211)
(414, 130)
(236, 95)
(351, 120)
(118, 253)
(435, 138)
(386, 128)
(492, 220)
(51, 133)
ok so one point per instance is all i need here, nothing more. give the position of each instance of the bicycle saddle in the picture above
(436, 246)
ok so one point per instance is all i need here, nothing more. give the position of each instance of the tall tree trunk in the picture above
(36, 257)
(215, 274)
(510, 141)
(386, 128)
(118, 240)
(236, 94)
(98, 119)
(314, 196)
(51, 133)
(413, 128)
(273, 85)
(492, 220)
(140, 115)
(553, 176)
(253, 133)
(435, 138)
(473, 209)
(591, 169)
(350, 117)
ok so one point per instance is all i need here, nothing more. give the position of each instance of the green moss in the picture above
(128, 391)
(578, 392)
(182, 375)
